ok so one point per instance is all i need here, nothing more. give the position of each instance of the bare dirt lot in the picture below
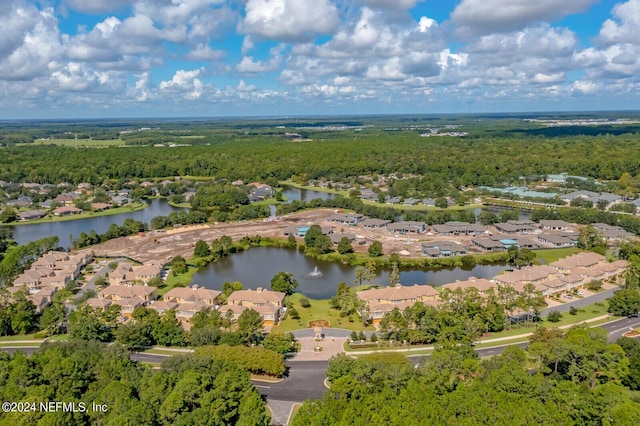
(160, 246)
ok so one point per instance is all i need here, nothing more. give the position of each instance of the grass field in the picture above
(552, 255)
(319, 310)
(79, 143)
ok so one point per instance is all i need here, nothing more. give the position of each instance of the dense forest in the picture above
(463, 161)
(572, 378)
(188, 390)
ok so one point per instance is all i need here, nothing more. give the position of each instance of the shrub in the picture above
(554, 316)
(294, 313)
(573, 311)
(304, 302)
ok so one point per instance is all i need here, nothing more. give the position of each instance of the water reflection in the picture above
(255, 268)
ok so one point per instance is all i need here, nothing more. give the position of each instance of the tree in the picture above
(284, 282)
(323, 244)
(178, 265)
(624, 302)
(53, 318)
(520, 257)
(201, 249)
(311, 235)
(441, 203)
(250, 325)
(589, 239)
(344, 246)
(85, 324)
(291, 241)
(394, 275)
(23, 313)
(375, 249)
(279, 342)
(230, 286)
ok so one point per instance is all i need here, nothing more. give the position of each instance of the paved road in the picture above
(580, 303)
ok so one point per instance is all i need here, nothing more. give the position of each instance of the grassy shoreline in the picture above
(110, 212)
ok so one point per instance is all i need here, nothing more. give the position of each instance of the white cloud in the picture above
(185, 83)
(628, 28)
(205, 53)
(75, 77)
(289, 20)
(30, 41)
(477, 17)
(586, 87)
(249, 65)
(392, 4)
(243, 87)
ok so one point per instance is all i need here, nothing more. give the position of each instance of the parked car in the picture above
(568, 296)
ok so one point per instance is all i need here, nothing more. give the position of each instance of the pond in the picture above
(26, 233)
(292, 193)
(255, 268)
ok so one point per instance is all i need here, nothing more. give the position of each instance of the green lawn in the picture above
(552, 255)
(181, 280)
(319, 310)
(79, 143)
(116, 210)
(18, 337)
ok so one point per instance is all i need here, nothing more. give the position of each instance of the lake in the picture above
(292, 193)
(255, 268)
(26, 233)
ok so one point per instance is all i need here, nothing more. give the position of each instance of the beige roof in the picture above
(147, 271)
(236, 309)
(96, 303)
(256, 297)
(126, 291)
(398, 293)
(533, 273)
(162, 305)
(481, 284)
(132, 302)
(191, 307)
(579, 260)
(192, 294)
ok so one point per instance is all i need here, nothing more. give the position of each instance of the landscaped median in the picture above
(508, 337)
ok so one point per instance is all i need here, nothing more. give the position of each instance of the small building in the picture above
(407, 227)
(375, 223)
(554, 225)
(32, 214)
(351, 219)
(66, 211)
(439, 249)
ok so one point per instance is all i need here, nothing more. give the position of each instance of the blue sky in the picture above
(156, 58)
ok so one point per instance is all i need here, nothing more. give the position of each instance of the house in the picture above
(557, 240)
(375, 223)
(611, 233)
(488, 244)
(578, 260)
(351, 219)
(459, 228)
(98, 207)
(381, 301)
(121, 292)
(529, 274)
(410, 202)
(257, 298)
(187, 310)
(429, 202)
(437, 249)
(67, 211)
(65, 199)
(127, 305)
(335, 238)
(512, 228)
(194, 293)
(232, 311)
(98, 304)
(406, 227)
(481, 284)
(162, 306)
(554, 225)
(32, 214)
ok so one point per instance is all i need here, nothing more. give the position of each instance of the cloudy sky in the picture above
(157, 58)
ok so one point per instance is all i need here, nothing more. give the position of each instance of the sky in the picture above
(213, 58)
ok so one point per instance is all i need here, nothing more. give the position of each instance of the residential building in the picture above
(380, 301)
(258, 298)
